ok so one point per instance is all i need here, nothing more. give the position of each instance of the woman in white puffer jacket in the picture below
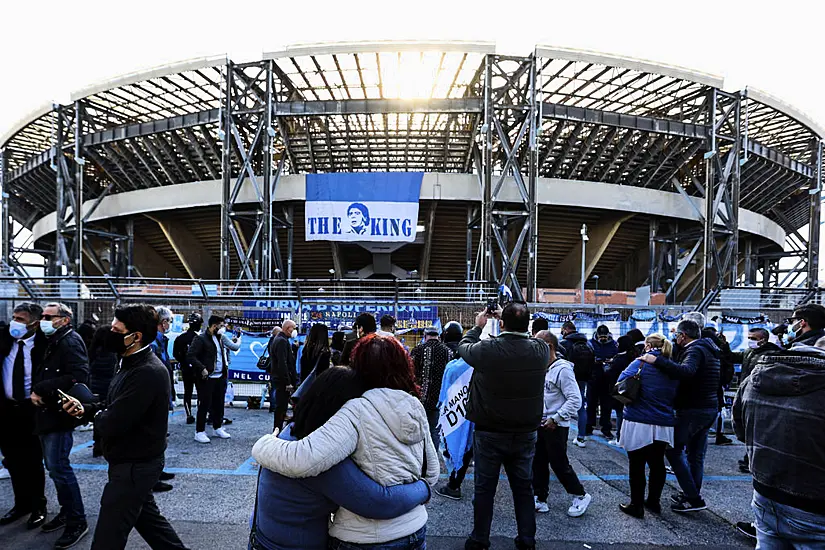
(386, 434)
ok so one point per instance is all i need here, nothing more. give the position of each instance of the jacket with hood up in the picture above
(699, 374)
(386, 434)
(778, 413)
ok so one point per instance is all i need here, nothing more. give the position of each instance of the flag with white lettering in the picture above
(368, 206)
(456, 430)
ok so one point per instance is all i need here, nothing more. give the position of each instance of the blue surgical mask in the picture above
(18, 330)
(793, 332)
(47, 327)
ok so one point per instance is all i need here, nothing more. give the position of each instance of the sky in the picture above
(50, 49)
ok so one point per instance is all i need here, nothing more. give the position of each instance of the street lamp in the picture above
(596, 278)
(585, 238)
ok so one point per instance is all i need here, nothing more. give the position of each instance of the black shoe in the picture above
(165, 476)
(13, 515)
(744, 469)
(57, 522)
(447, 492)
(521, 546)
(588, 431)
(71, 536)
(190, 419)
(747, 528)
(608, 435)
(161, 487)
(633, 510)
(226, 422)
(722, 440)
(470, 544)
(36, 519)
(688, 506)
(678, 498)
(655, 507)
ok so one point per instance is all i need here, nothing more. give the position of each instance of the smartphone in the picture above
(492, 305)
(63, 397)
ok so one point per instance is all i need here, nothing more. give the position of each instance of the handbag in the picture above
(264, 361)
(627, 391)
(308, 381)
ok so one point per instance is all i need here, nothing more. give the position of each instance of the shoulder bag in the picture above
(627, 391)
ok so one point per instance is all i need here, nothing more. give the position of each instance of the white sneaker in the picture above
(579, 442)
(87, 427)
(614, 442)
(579, 506)
(223, 434)
(201, 437)
(541, 507)
(4, 474)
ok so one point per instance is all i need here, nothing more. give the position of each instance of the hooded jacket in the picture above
(749, 357)
(562, 398)
(699, 374)
(568, 341)
(605, 351)
(387, 435)
(778, 413)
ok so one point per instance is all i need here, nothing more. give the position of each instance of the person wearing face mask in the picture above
(160, 347)
(208, 357)
(21, 349)
(132, 421)
(758, 343)
(806, 325)
(283, 373)
(64, 364)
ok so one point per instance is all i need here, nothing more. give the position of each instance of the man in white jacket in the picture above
(562, 400)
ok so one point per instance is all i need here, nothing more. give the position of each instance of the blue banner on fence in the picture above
(338, 314)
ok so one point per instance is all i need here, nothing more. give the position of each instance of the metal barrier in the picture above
(764, 300)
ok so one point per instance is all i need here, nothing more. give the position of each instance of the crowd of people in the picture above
(372, 421)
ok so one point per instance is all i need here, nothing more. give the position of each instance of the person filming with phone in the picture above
(132, 421)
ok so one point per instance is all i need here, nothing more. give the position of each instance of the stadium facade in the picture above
(200, 170)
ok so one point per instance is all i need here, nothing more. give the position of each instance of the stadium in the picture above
(537, 173)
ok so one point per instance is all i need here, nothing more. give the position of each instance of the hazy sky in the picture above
(51, 48)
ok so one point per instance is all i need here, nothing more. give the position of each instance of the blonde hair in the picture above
(660, 342)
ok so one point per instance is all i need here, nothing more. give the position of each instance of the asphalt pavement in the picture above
(214, 494)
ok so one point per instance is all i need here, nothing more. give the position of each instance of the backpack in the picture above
(583, 359)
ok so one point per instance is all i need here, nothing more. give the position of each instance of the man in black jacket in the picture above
(807, 325)
(21, 350)
(696, 409)
(179, 351)
(283, 374)
(506, 401)
(578, 350)
(208, 358)
(64, 364)
(132, 424)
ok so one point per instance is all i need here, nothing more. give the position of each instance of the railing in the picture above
(73, 289)
(765, 299)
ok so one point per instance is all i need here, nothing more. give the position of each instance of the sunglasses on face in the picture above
(46, 317)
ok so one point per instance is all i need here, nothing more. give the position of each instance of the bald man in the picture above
(283, 376)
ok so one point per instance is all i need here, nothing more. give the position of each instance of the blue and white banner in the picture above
(456, 430)
(369, 206)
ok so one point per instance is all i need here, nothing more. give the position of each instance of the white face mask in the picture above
(18, 330)
(753, 344)
(47, 327)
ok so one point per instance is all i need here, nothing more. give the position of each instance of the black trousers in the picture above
(127, 503)
(211, 393)
(23, 455)
(457, 476)
(188, 375)
(279, 402)
(551, 452)
(654, 456)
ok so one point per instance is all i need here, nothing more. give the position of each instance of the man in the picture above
(605, 349)
(21, 350)
(387, 326)
(778, 413)
(87, 330)
(160, 347)
(726, 372)
(359, 218)
(364, 326)
(457, 430)
(696, 409)
(179, 350)
(539, 324)
(269, 388)
(505, 403)
(64, 364)
(562, 401)
(132, 421)
(430, 358)
(283, 373)
(208, 357)
(806, 325)
(453, 332)
(580, 352)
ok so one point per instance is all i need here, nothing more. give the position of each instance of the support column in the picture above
(226, 170)
(5, 220)
(79, 162)
(532, 175)
(653, 276)
(487, 175)
(814, 222)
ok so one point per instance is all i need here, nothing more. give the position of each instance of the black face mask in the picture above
(116, 342)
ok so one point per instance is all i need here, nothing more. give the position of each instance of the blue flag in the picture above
(456, 430)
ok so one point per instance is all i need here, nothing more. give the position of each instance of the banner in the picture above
(456, 430)
(339, 314)
(369, 206)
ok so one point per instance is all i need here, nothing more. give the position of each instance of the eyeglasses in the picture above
(50, 317)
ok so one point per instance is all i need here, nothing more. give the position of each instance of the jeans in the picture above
(56, 449)
(654, 456)
(416, 541)
(278, 403)
(457, 476)
(781, 527)
(433, 417)
(551, 452)
(211, 393)
(687, 457)
(583, 385)
(188, 375)
(515, 452)
(127, 503)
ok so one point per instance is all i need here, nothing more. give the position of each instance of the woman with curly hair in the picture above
(385, 432)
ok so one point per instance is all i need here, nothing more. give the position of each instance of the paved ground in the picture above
(214, 494)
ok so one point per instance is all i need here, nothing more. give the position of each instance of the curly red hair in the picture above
(382, 362)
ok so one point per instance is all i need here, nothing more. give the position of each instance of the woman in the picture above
(387, 434)
(337, 346)
(293, 513)
(316, 354)
(647, 430)
(627, 353)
